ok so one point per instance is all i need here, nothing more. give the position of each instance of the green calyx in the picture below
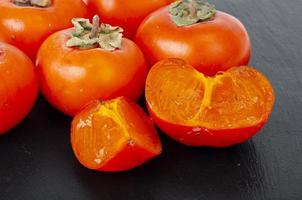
(33, 3)
(189, 12)
(93, 35)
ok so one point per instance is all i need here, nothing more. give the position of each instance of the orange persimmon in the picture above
(75, 69)
(208, 39)
(27, 23)
(126, 14)
(114, 135)
(215, 111)
(18, 86)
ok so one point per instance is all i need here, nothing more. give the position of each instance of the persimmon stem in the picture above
(189, 12)
(93, 35)
(95, 26)
(33, 3)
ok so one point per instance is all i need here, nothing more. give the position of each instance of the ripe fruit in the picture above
(126, 14)
(18, 86)
(89, 63)
(210, 40)
(114, 135)
(208, 111)
(27, 23)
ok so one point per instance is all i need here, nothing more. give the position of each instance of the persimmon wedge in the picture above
(218, 111)
(113, 136)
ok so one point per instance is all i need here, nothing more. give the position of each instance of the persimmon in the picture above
(126, 14)
(27, 23)
(89, 62)
(192, 30)
(114, 135)
(18, 86)
(215, 111)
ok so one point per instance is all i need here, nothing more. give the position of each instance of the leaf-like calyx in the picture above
(33, 3)
(189, 12)
(93, 35)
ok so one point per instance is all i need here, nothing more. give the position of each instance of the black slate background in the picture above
(36, 161)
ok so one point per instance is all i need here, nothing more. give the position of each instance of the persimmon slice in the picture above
(114, 135)
(177, 94)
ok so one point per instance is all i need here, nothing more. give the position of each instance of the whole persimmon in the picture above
(18, 86)
(113, 136)
(218, 111)
(89, 62)
(27, 23)
(192, 30)
(126, 14)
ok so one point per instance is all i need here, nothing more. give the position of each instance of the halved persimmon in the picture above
(218, 111)
(114, 136)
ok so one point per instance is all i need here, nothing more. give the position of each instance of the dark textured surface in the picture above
(36, 161)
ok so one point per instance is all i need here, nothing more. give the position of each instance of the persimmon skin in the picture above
(70, 78)
(125, 159)
(27, 27)
(211, 46)
(195, 132)
(18, 86)
(130, 154)
(126, 14)
(201, 136)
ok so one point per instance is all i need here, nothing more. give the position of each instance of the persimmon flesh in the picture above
(115, 135)
(208, 111)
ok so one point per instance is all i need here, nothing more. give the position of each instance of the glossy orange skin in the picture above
(210, 46)
(18, 86)
(129, 155)
(70, 78)
(27, 27)
(206, 137)
(128, 158)
(126, 14)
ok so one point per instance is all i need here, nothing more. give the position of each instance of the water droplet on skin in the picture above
(255, 99)
(108, 137)
(196, 129)
(101, 152)
(85, 123)
(251, 118)
(131, 143)
(208, 131)
(97, 161)
(189, 133)
(105, 126)
(81, 124)
(100, 156)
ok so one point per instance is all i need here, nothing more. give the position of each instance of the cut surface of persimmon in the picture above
(198, 110)
(114, 135)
